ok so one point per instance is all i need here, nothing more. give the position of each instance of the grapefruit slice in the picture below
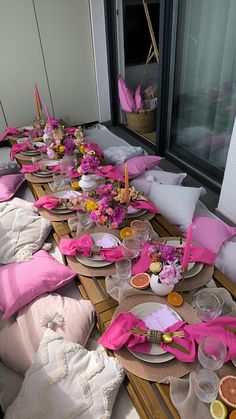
(140, 281)
(227, 390)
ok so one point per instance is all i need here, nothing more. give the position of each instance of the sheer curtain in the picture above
(205, 88)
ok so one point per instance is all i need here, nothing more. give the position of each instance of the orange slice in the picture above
(140, 281)
(227, 390)
(232, 415)
(75, 185)
(175, 299)
(126, 232)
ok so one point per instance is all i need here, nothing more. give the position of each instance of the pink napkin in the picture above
(9, 131)
(187, 342)
(94, 147)
(145, 204)
(47, 201)
(16, 148)
(30, 168)
(34, 133)
(74, 174)
(215, 327)
(197, 254)
(118, 334)
(70, 130)
(71, 247)
(110, 172)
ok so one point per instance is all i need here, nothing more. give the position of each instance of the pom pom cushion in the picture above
(20, 283)
(22, 232)
(9, 185)
(70, 318)
(66, 380)
(144, 182)
(119, 154)
(176, 203)
(138, 165)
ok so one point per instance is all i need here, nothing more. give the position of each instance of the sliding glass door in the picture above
(204, 89)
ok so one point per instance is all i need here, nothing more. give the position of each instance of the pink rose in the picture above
(170, 274)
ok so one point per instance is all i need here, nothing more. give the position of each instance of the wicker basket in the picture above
(142, 121)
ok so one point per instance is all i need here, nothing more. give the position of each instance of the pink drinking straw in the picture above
(48, 116)
(38, 97)
(187, 247)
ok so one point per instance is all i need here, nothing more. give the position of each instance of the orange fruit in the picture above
(232, 415)
(126, 232)
(175, 299)
(140, 281)
(227, 390)
(75, 185)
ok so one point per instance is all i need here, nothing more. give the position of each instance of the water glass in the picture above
(211, 353)
(123, 269)
(59, 182)
(131, 247)
(83, 219)
(206, 386)
(141, 230)
(208, 306)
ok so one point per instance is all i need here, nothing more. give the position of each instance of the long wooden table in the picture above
(151, 400)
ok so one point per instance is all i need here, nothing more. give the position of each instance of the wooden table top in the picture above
(151, 400)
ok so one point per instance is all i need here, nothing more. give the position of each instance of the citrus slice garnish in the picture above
(218, 410)
(175, 299)
(140, 281)
(126, 232)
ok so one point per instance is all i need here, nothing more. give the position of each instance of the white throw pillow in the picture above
(10, 384)
(22, 232)
(67, 380)
(144, 182)
(119, 154)
(176, 203)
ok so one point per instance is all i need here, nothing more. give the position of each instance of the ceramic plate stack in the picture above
(67, 194)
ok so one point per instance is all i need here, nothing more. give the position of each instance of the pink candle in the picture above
(48, 116)
(187, 247)
(38, 97)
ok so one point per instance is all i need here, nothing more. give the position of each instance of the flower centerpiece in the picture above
(165, 267)
(62, 140)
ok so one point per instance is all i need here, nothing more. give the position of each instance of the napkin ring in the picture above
(96, 250)
(154, 336)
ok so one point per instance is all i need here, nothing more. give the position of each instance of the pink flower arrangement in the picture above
(64, 141)
(89, 164)
(170, 274)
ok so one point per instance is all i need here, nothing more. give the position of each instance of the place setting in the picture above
(58, 206)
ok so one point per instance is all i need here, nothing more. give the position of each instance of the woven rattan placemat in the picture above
(145, 370)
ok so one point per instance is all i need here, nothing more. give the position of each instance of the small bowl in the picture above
(140, 281)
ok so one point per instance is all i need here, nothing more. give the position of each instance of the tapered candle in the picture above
(38, 97)
(187, 247)
(48, 116)
(126, 183)
(37, 114)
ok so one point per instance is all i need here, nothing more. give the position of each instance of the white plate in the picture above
(146, 309)
(93, 263)
(43, 174)
(39, 144)
(136, 214)
(61, 210)
(98, 239)
(96, 261)
(30, 152)
(194, 271)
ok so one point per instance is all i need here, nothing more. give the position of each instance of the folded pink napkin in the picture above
(187, 342)
(34, 133)
(110, 172)
(197, 254)
(215, 327)
(16, 148)
(94, 147)
(9, 131)
(70, 130)
(47, 201)
(145, 204)
(83, 245)
(31, 168)
(74, 174)
(118, 334)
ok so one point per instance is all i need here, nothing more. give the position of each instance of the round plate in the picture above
(136, 214)
(93, 263)
(153, 359)
(42, 174)
(96, 261)
(144, 310)
(30, 152)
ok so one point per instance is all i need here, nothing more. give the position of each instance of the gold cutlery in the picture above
(156, 336)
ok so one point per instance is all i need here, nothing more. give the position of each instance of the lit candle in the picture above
(37, 114)
(187, 248)
(126, 183)
(38, 97)
(49, 118)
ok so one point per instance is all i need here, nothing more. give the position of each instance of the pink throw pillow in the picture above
(9, 184)
(20, 283)
(138, 165)
(126, 97)
(211, 233)
(20, 338)
(138, 98)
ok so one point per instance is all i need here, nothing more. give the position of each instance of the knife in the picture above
(180, 348)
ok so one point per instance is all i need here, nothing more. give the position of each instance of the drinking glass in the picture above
(208, 306)
(123, 269)
(83, 219)
(206, 386)
(141, 230)
(211, 353)
(131, 247)
(59, 182)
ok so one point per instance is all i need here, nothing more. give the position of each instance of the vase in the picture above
(87, 183)
(158, 287)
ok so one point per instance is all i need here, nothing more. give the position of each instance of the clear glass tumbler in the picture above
(206, 386)
(83, 218)
(123, 269)
(59, 182)
(131, 247)
(211, 353)
(141, 230)
(208, 306)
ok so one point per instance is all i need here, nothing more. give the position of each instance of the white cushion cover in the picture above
(144, 182)
(119, 154)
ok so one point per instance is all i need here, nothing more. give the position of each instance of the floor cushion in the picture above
(9, 185)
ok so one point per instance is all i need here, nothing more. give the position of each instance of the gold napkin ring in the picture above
(96, 250)
(154, 336)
